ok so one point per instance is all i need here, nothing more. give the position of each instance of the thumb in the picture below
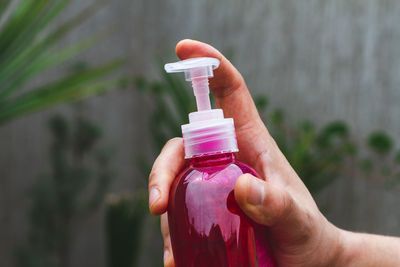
(271, 205)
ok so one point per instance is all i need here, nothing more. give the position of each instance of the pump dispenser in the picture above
(208, 131)
(207, 227)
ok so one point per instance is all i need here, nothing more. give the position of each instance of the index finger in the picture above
(165, 169)
(230, 90)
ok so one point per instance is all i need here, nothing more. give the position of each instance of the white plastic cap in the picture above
(198, 67)
(208, 132)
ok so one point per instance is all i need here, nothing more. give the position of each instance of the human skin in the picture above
(300, 234)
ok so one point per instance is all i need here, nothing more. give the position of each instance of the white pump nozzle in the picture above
(197, 70)
(207, 132)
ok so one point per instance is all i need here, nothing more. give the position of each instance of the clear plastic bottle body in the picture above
(206, 225)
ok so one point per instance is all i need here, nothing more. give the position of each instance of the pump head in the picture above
(208, 132)
(197, 70)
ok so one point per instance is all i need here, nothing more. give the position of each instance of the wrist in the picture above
(346, 249)
(358, 249)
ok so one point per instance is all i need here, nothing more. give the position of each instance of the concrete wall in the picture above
(321, 60)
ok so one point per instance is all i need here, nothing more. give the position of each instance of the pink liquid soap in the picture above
(206, 225)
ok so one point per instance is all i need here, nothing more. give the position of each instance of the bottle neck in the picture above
(212, 160)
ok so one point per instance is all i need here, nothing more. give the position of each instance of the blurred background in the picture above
(85, 108)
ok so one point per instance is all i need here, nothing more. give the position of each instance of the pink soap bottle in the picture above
(206, 225)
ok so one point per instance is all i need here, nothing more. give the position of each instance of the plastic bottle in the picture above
(206, 225)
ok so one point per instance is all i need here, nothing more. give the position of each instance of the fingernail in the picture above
(166, 255)
(255, 191)
(154, 196)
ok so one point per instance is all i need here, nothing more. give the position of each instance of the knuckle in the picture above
(288, 205)
(154, 177)
(277, 209)
(159, 177)
(167, 242)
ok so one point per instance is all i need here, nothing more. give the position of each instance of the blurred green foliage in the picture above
(380, 143)
(75, 188)
(380, 161)
(124, 223)
(29, 46)
(319, 155)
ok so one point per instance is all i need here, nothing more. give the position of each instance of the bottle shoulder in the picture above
(224, 172)
(246, 168)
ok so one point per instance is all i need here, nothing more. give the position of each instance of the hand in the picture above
(300, 234)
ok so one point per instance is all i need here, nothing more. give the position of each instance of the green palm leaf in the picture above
(27, 49)
(72, 87)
